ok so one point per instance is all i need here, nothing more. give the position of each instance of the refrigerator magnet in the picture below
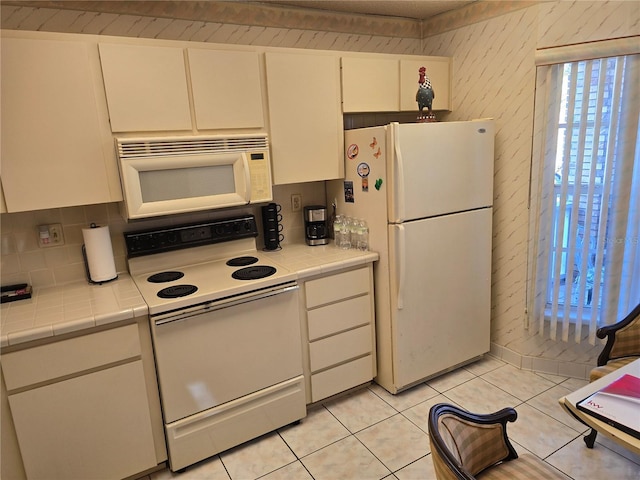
(348, 192)
(363, 169)
(378, 184)
(352, 151)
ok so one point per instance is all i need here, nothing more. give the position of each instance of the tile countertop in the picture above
(64, 309)
(309, 261)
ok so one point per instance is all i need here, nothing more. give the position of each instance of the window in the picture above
(584, 263)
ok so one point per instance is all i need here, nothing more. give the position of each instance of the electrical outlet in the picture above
(296, 202)
(50, 235)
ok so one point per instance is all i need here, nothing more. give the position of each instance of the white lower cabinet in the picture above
(79, 427)
(339, 331)
(341, 378)
(85, 407)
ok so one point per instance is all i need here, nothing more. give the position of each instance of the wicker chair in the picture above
(622, 347)
(464, 445)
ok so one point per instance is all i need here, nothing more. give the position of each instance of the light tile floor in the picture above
(371, 434)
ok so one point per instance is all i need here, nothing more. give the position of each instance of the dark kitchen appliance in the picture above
(315, 225)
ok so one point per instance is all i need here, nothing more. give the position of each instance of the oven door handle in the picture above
(212, 307)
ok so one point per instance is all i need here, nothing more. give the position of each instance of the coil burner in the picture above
(164, 277)
(176, 291)
(252, 273)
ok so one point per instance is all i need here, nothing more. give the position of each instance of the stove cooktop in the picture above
(213, 280)
(186, 265)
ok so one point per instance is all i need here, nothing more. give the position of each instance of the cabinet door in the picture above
(3, 205)
(146, 88)
(93, 426)
(226, 89)
(57, 149)
(305, 117)
(370, 85)
(437, 69)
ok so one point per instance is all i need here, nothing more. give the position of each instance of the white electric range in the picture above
(226, 332)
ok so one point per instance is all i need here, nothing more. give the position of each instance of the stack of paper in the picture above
(617, 404)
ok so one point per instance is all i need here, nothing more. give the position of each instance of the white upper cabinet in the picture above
(146, 87)
(437, 69)
(370, 84)
(388, 83)
(57, 149)
(306, 129)
(226, 89)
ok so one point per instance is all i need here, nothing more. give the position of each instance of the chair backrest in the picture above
(623, 338)
(628, 337)
(463, 444)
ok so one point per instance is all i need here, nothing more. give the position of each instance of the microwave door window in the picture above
(191, 182)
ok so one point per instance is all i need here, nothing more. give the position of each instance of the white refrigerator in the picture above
(426, 193)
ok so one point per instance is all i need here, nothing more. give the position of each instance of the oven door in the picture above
(214, 354)
(177, 184)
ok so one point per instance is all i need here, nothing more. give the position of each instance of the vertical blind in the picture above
(584, 260)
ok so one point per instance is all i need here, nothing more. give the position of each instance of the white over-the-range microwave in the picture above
(168, 175)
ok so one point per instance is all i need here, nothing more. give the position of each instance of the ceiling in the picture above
(418, 9)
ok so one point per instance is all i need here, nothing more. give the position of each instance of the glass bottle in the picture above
(363, 236)
(345, 233)
(337, 226)
(355, 232)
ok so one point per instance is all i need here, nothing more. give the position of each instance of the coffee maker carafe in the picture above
(315, 225)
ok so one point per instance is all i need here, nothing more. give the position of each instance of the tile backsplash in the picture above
(24, 261)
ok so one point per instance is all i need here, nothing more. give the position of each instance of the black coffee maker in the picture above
(315, 225)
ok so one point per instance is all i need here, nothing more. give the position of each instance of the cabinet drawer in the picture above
(339, 379)
(339, 348)
(47, 362)
(336, 287)
(339, 316)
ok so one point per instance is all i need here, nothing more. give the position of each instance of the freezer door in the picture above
(440, 293)
(440, 168)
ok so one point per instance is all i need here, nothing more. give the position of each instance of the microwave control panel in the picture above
(260, 171)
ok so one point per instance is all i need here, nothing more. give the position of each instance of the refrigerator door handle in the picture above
(399, 180)
(402, 265)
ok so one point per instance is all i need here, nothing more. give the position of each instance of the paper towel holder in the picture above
(86, 264)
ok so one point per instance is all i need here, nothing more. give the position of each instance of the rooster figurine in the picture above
(425, 95)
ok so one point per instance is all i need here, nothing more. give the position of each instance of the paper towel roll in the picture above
(99, 254)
